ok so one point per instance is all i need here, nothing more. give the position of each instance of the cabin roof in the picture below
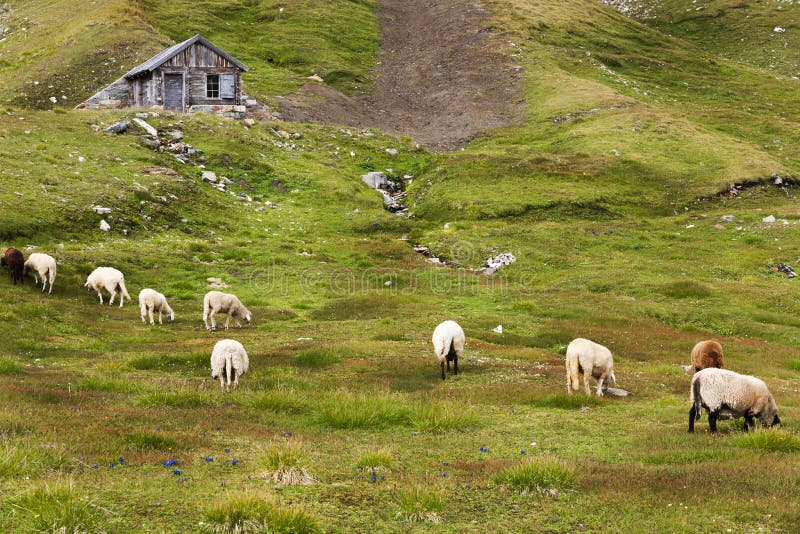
(162, 57)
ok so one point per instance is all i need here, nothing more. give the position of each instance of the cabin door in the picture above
(173, 91)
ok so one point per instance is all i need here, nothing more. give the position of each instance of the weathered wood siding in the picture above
(198, 55)
(194, 63)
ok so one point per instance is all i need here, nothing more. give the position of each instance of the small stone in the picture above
(104, 226)
(769, 219)
(391, 151)
(719, 226)
(118, 127)
(209, 176)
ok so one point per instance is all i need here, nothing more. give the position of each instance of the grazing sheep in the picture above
(707, 354)
(44, 266)
(589, 359)
(151, 301)
(109, 279)
(728, 395)
(228, 362)
(15, 261)
(216, 302)
(448, 344)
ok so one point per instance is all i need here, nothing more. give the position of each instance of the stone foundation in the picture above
(233, 112)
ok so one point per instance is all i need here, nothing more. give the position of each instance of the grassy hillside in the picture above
(741, 31)
(608, 197)
(282, 42)
(70, 50)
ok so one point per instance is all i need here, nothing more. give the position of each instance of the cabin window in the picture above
(212, 86)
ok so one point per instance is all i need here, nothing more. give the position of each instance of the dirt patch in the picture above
(443, 76)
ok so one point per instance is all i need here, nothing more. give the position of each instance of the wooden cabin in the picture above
(191, 76)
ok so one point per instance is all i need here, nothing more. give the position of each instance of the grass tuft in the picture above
(345, 410)
(542, 476)
(56, 507)
(9, 367)
(316, 358)
(29, 458)
(420, 504)
(284, 464)
(686, 289)
(380, 459)
(250, 513)
(280, 400)
(769, 440)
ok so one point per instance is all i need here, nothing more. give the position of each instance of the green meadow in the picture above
(611, 194)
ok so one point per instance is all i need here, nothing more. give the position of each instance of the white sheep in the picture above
(228, 362)
(728, 395)
(588, 358)
(42, 265)
(109, 279)
(216, 302)
(448, 344)
(151, 301)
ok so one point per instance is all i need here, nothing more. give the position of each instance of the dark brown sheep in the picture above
(706, 354)
(15, 261)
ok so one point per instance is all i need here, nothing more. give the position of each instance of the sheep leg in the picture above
(586, 386)
(227, 320)
(569, 383)
(455, 364)
(442, 370)
(150, 315)
(222, 381)
(712, 421)
(448, 366)
(692, 416)
(101, 297)
(213, 317)
(600, 385)
(113, 294)
(159, 317)
(235, 379)
(748, 422)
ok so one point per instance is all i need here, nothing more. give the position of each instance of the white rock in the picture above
(101, 210)
(769, 219)
(316, 78)
(104, 226)
(391, 151)
(81, 159)
(779, 29)
(498, 329)
(388, 283)
(146, 127)
(53, 99)
(209, 176)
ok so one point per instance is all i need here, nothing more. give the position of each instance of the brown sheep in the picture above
(15, 261)
(707, 354)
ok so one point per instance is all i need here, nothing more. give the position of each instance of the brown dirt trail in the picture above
(442, 77)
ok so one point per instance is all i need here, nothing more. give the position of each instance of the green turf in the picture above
(342, 422)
